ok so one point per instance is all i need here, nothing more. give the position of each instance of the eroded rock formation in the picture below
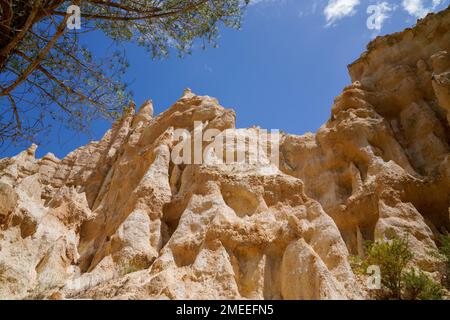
(118, 219)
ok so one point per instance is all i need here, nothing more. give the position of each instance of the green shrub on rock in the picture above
(392, 257)
(419, 286)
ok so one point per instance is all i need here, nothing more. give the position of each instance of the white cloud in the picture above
(338, 9)
(379, 13)
(309, 9)
(420, 8)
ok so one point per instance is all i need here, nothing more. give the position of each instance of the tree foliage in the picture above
(48, 76)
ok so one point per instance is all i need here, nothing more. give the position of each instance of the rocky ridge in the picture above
(117, 219)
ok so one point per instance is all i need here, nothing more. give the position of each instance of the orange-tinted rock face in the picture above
(118, 218)
(382, 161)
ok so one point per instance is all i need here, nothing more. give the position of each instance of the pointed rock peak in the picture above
(145, 113)
(132, 107)
(146, 109)
(50, 156)
(32, 150)
(187, 94)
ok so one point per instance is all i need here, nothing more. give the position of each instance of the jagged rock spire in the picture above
(145, 112)
(187, 94)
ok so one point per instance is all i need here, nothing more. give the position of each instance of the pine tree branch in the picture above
(32, 66)
(140, 17)
(5, 51)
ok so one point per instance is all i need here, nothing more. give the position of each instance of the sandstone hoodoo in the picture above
(118, 219)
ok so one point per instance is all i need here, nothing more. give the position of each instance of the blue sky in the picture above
(282, 70)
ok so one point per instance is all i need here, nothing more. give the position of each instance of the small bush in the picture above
(392, 258)
(418, 286)
(357, 264)
(444, 251)
(137, 263)
(129, 269)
